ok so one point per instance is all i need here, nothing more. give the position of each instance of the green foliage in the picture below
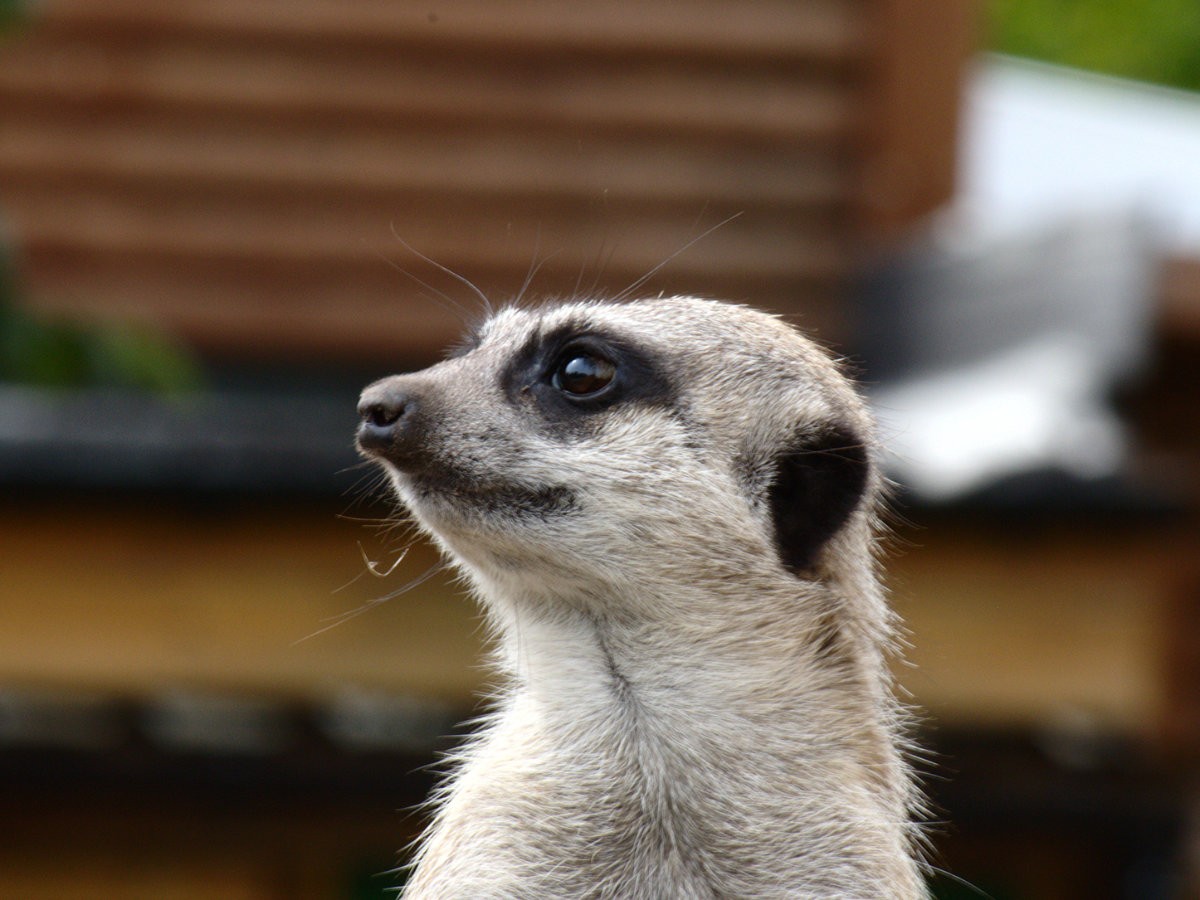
(13, 13)
(52, 354)
(1147, 40)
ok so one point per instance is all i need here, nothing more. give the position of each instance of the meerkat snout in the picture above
(387, 410)
(380, 409)
(668, 510)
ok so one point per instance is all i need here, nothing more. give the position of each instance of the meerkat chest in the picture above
(596, 803)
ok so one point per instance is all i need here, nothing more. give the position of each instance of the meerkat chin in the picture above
(668, 511)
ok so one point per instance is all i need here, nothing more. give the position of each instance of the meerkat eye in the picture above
(582, 373)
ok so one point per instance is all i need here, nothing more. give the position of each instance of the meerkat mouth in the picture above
(493, 499)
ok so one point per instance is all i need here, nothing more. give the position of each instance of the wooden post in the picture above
(909, 169)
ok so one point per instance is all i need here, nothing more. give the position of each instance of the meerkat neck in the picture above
(683, 645)
(800, 719)
(632, 759)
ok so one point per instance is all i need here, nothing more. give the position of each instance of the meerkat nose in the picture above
(383, 408)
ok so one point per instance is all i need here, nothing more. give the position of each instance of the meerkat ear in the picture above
(819, 482)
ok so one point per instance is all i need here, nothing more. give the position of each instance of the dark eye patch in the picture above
(574, 371)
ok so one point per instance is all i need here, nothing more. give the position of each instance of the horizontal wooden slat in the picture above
(164, 147)
(1037, 629)
(427, 85)
(223, 602)
(270, 283)
(107, 878)
(369, 311)
(427, 89)
(231, 223)
(829, 29)
(297, 316)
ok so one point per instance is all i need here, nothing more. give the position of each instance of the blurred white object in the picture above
(1040, 140)
(1031, 407)
(993, 356)
(996, 341)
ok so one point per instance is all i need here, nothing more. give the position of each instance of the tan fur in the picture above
(684, 716)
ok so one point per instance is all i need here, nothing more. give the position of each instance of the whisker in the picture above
(659, 267)
(373, 567)
(434, 295)
(343, 618)
(461, 279)
(535, 266)
(365, 489)
(361, 466)
(961, 882)
(602, 265)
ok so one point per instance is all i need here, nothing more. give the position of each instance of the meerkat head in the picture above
(589, 443)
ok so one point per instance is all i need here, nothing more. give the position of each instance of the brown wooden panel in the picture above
(365, 309)
(239, 257)
(229, 222)
(412, 88)
(912, 111)
(130, 602)
(234, 171)
(829, 29)
(129, 879)
(1181, 662)
(1180, 293)
(1055, 628)
(169, 149)
(187, 848)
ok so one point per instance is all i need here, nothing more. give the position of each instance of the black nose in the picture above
(383, 410)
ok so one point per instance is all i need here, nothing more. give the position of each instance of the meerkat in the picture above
(668, 510)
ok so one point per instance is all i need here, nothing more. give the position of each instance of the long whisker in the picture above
(345, 617)
(657, 268)
(466, 282)
(603, 261)
(961, 882)
(374, 567)
(435, 294)
(535, 266)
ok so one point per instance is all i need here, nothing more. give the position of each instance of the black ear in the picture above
(819, 481)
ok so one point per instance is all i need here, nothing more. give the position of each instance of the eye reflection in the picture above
(580, 373)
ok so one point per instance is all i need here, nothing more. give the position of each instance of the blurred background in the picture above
(221, 219)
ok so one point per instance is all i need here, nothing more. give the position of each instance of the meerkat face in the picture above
(591, 440)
